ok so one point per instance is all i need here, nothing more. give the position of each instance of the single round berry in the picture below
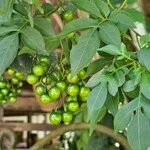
(38, 70)
(45, 99)
(55, 118)
(62, 85)
(70, 98)
(32, 79)
(54, 92)
(73, 106)
(84, 91)
(39, 90)
(68, 15)
(73, 90)
(72, 80)
(2, 84)
(82, 74)
(67, 117)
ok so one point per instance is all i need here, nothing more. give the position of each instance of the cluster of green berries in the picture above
(50, 86)
(10, 87)
(76, 94)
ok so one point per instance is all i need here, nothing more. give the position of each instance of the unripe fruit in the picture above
(54, 92)
(70, 35)
(44, 59)
(73, 90)
(62, 85)
(73, 106)
(72, 80)
(84, 92)
(45, 99)
(32, 79)
(4, 91)
(38, 70)
(70, 98)
(55, 118)
(19, 75)
(14, 81)
(67, 117)
(68, 16)
(2, 84)
(12, 99)
(11, 71)
(82, 74)
(39, 90)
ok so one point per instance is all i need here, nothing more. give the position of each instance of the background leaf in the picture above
(98, 65)
(34, 40)
(110, 34)
(123, 116)
(96, 99)
(145, 85)
(112, 86)
(83, 52)
(78, 24)
(6, 7)
(144, 55)
(110, 49)
(103, 7)
(138, 132)
(7, 29)
(122, 18)
(87, 6)
(44, 26)
(8, 51)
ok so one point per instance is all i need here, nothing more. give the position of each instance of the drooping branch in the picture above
(81, 126)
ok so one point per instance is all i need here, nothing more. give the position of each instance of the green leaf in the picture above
(138, 132)
(103, 7)
(98, 65)
(26, 50)
(120, 77)
(136, 15)
(122, 18)
(6, 29)
(112, 86)
(87, 6)
(144, 55)
(123, 116)
(33, 39)
(110, 49)
(8, 51)
(145, 103)
(129, 86)
(77, 25)
(96, 79)
(83, 52)
(44, 26)
(98, 115)
(38, 5)
(112, 103)
(28, 8)
(110, 34)
(6, 7)
(28, 1)
(51, 44)
(145, 40)
(145, 85)
(96, 99)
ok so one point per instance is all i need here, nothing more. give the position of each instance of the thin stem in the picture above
(109, 4)
(123, 4)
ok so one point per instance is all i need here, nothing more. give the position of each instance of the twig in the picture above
(81, 126)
